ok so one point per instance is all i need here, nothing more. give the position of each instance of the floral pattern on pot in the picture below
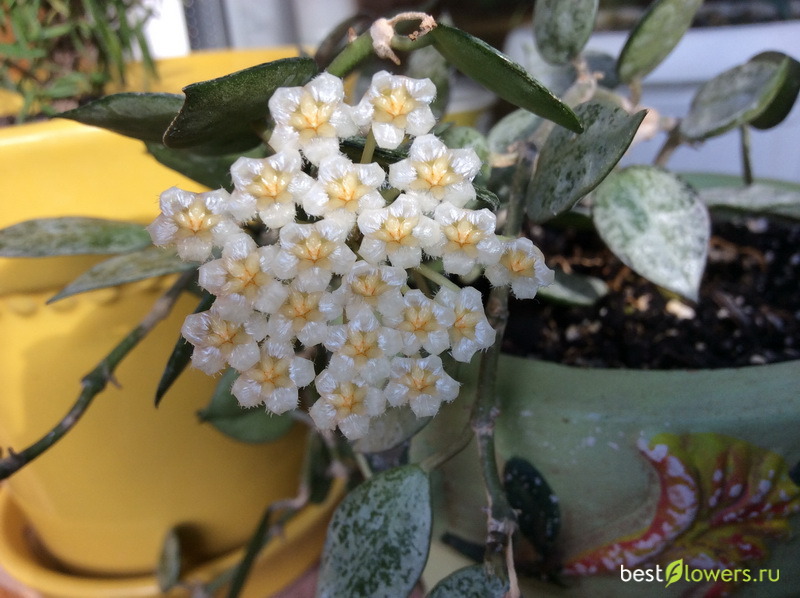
(721, 498)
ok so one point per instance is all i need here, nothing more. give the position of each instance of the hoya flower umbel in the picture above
(311, 118)
(266, 188)
(522, 266)
(433, 173)
(420, 383)
(344, 189)
(471, 330)
(274, 379)
(242, 270)
(313, 253)
(193, 222)
(395, 105)
(423, 324)
(348, 405)
(221, 339)
(469, 238)
(398, 232)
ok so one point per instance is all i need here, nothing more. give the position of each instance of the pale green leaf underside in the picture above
(245, 425)
(561, 29)
(758, 198)
(574, 289)
(390, 429)
(513, 128)
(655, 36)
(733, 98)
(469, 582)
(571, 165)
(656, 225)
(122, 269)
(71, 236)
(378, 539)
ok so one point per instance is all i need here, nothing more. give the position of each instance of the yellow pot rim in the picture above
(22, 563)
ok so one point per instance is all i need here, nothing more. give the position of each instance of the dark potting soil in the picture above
(748, 310)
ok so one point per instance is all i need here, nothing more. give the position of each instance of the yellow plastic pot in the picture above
(101, 501)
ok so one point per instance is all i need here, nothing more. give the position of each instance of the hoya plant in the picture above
(354, 257)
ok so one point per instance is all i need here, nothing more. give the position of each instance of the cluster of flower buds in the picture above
(339, 280)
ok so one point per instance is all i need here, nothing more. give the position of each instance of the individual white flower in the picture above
(344, 189)
(398, 232)
(218, 340)
(347, 404)
(367, 287)
(299, 317)
(395, 105)
(274, 379)
(469, 238)
(313, 253)
(434, 173)
(311, 118)
(420, 383)
(242, 270)
(422, 323)
(267, 188)
(471, 330)
(362, 349)
(193, 222)
(522, 266)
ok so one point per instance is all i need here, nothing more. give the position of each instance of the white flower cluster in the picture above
(340, 280)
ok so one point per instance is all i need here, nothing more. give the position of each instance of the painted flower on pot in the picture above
(721, 499)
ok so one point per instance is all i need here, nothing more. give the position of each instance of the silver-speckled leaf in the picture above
(734, 98)
(129, 267)
(655, 36)
(515, 127)
(378, 539)
(470, 582)
(71, 236)
(656, 225)
(561, 29)
(571, 165)
(758, 198)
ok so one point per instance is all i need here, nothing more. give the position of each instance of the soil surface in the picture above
(748, 311)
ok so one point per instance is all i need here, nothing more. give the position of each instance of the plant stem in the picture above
(747, 165)
(502, 520)
(96, 380)
(369, 148)
(434, 276)
(672, 143)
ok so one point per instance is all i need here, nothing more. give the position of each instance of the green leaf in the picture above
(757, 198)
(220, 113)
(734, 98)
(246, 425)
(572, 165)
(168, 570)
(129, 267)
(784, 100)
(561, 29)
(539, 514)
(390, 429)
(656, 225)
(470, 582)
(142, 116)
(213, 171)
(71, 236)
(379, 537)
(574, 289)
(511, 130)
(656, 34)
(318, 473)
(674, 572)
(180, 356)
(498, 73)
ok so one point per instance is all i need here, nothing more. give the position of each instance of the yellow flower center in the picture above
(273, 371)
(195, 219)
(368, 285)
(465, 323)
(245, 275)
(346, 191)
(393, 106)
(463, 233)
(518, 262)
(434, 175)
(311, 118)
(420, 380)
(270, 186)
(348, 399)
(419, 319)
(313, 248)
(398, 229)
